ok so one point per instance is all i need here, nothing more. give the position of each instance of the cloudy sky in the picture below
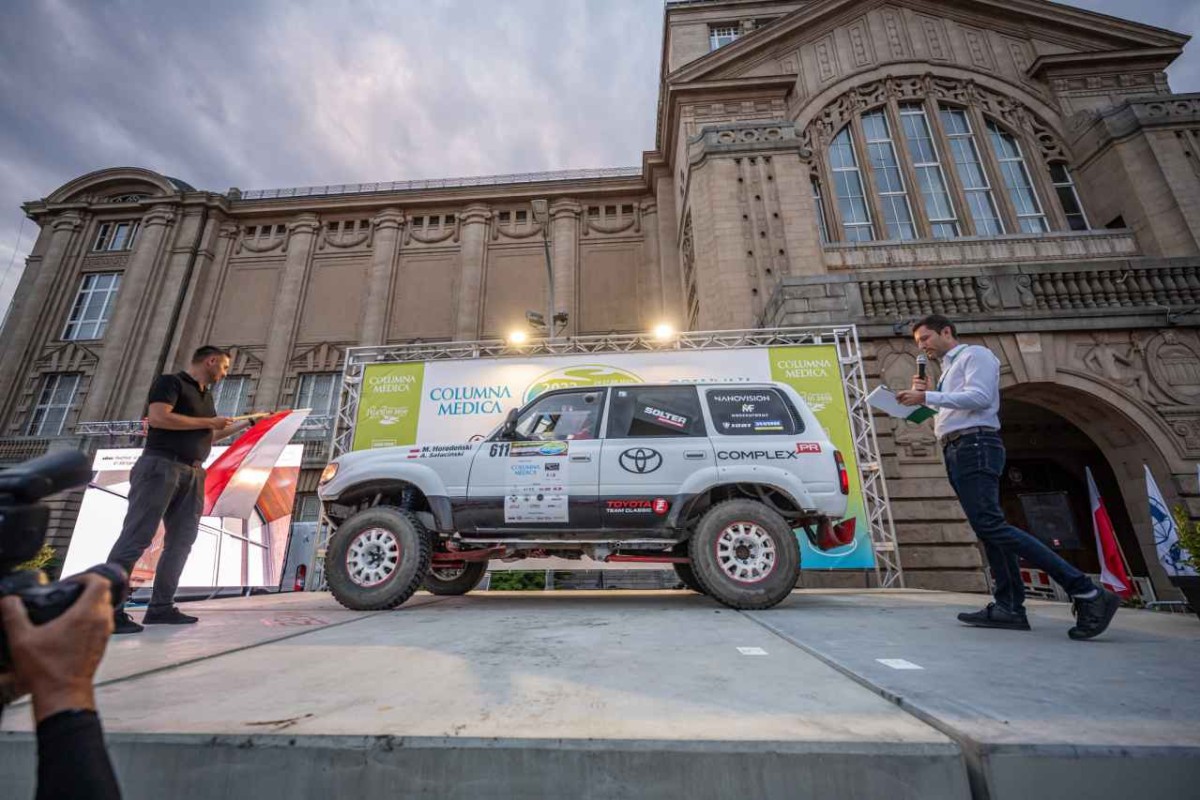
(288, 93)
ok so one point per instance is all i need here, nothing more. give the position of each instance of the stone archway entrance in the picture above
(1052, 432)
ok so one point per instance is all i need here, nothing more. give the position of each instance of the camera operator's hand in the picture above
(55, 662)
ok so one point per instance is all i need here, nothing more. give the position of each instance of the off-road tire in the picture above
(412, 563)
(470, 576)
(758, 590)
(688, 577)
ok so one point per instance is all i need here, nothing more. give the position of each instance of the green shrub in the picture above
(518, 581)
(1189, 536)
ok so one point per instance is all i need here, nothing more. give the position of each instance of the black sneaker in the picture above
(123, 623)
(171, 616)
(1092, 616)
(996, 617)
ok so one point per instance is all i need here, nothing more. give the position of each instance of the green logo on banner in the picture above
(580, 376)
(389, 405)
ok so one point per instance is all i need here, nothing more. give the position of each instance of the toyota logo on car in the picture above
(640, 460)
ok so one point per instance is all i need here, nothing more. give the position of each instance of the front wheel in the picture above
(378, 558)
(745, 555)
(458, 579)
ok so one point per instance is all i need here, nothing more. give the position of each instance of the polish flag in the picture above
(1112, 568)
(236, 479)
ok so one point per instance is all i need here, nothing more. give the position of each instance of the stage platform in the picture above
(618, 694)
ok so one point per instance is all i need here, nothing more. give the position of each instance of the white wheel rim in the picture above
(746, 552)
(372, 557)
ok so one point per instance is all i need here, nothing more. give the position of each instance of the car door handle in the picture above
(583, 458)
(694, 455)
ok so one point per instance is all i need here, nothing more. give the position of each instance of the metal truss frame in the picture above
(888, 572)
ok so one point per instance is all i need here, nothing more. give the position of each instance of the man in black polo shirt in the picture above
(167, 482)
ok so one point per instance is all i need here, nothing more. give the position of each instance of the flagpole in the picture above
(1117, 540)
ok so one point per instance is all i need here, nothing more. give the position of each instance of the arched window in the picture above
(920, 158)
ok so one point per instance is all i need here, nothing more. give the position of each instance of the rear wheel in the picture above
(688, 577)
(378, 558)
(744, 555)
(457, 579)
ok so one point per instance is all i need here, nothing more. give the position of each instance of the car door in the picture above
(654, 439)
(545, 478)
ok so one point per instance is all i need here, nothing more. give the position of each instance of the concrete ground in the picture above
(643, 694)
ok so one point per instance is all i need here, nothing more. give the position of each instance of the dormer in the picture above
(694, 28)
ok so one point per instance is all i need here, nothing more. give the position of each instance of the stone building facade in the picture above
(1020, 166)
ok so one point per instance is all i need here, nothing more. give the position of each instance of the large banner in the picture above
(229, 552)
(460, 401)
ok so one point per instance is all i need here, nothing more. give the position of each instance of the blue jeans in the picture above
(974, 464)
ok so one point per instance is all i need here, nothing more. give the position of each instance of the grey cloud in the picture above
(281, 93)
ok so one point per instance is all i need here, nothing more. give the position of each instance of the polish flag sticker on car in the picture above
(808, 447)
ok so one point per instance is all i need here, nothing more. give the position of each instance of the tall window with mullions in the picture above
(92, 307)
(848, 184)
(231, 395)
(54, 401)
(319, 391)
(889, 180)
(927, 164)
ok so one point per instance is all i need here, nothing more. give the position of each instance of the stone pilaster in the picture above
(651, 272)
(32, 298)
(668, 244)
(473, 253)
(134, 300)
(564, 252)
(748, 211)
(158, 332)
(387, 225)
(203, 312)
(302, 235)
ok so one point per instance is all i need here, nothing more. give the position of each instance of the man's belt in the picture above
(954, 436)
(176, 457)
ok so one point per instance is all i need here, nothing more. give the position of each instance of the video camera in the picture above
(23, 522)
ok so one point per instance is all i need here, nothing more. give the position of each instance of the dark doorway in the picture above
(1044, 488)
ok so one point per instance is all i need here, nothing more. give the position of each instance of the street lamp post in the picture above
(541, 215)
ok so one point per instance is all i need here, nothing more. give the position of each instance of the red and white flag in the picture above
(1112, 567)
(236, 479)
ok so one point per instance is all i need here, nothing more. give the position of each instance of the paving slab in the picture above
(498, 695)
(1036, 713)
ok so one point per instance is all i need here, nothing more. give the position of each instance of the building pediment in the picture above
(862, 33)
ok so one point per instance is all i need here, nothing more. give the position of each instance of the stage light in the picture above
(664, 332)
(517, 338)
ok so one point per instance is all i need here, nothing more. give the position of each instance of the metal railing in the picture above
(440, 183)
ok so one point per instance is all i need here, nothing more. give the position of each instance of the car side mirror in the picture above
(509, 431)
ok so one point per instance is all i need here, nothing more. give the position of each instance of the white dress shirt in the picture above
(968, 393)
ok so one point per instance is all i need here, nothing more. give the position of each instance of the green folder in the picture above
(920, 414)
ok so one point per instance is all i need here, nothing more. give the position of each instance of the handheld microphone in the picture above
(922, 364)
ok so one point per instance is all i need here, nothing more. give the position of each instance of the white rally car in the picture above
(715, 479)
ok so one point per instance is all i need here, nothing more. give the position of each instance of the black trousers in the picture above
(161, 490)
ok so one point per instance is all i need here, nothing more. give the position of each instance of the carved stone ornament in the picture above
(325, 357)
(243, 361)
(826, 125)
(69, 357)
(1121, 364)
(1188, 430)
(1174, 365)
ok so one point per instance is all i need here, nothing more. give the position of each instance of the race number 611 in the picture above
(499, 450)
